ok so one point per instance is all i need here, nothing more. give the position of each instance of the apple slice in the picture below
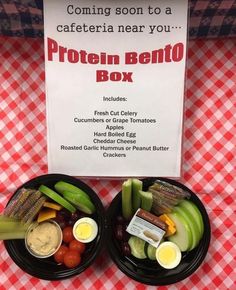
(62, 186)
(183, 236)
(195, 213)
(80, 201)
(56, 197)
(192, 225)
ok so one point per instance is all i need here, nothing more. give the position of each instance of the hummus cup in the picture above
(56, 244)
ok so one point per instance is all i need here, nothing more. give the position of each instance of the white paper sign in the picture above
(114, 86)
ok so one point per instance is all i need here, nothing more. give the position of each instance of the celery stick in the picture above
(7, 227)
(137, 185)
(127, 210)
(146, 200)
(12, 235)
(7, 218)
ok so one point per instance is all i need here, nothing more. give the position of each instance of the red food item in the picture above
(67, 233)
(72, 258)
(77, 246)
(60, 253)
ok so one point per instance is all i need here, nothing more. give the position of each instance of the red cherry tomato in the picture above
(72, 259)
(60, 253)
(77, 246)
(67, 233)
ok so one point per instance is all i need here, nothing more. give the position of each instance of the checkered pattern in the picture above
(208, 158)
(207, 18)
(21, 18)
(212, 18)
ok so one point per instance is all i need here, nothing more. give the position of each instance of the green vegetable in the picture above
(126, 196)
(56, 197)
(10, 226)
(146, 200)
(137, 247)
(150, 251)
(12, 235)
(137, 185)
(8, 219)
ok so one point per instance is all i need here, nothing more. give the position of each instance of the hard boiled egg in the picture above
(85, 230)
(168, 255)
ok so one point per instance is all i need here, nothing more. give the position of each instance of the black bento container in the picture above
(147, 271)
(46, 268)
(144, 271)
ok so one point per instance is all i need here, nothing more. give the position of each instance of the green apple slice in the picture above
(62, 186)
(80, 201)
(195, 213)
(192, 225)
(183, 236)
(56, 197)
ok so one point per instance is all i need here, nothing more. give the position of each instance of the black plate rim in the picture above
(11, 245)
(200, 256)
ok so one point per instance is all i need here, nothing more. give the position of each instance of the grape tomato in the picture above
(67, 233)
(60, 253)
(77, 246)
(72, 259)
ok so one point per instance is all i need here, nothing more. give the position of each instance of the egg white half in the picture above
(94, 228)
(168, 255)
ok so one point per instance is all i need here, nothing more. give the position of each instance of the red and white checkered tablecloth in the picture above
(209, 162)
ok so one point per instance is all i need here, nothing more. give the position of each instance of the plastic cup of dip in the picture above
(43, 239)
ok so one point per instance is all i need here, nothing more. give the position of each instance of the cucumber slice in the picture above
(137, 185)
(150, 251)
(62, 186)
(80, 201)
(146, 200)
(137, 247)
(56, 197)
(126, 197)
